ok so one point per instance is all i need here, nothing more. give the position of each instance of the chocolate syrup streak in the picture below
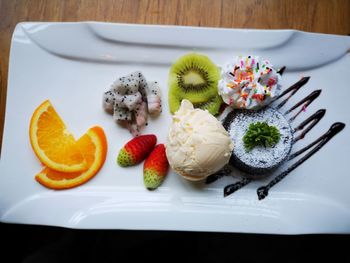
(305, 101)
(231, 188)
(223, 172)
(311, 122)
(281, 70)
(320, 142)
(292, 90)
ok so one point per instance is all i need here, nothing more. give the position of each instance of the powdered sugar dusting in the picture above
(260, 159)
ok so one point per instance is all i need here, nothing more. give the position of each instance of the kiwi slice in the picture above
(194, 77)
(213, 104)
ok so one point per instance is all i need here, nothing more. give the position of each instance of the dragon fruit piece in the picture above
(132, 101)
(138, 121)
(108, 101)
(129, 101)
(121, 114)
(154, 104)
(154, 98)
(126, 85)
(133, 128)
(142, 85)
(153, 88)
(141, 115)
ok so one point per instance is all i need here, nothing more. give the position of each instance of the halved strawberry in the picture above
(155, 168)
(136, 150)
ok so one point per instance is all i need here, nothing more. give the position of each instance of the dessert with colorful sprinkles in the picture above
(249, 83)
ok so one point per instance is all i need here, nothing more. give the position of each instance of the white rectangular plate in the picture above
(72, 64)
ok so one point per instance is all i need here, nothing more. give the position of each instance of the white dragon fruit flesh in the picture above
(121, 114)
(108, 101)
(126, 85)
(141, 114)
(154, 98)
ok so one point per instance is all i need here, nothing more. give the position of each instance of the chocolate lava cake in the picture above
(260, 160)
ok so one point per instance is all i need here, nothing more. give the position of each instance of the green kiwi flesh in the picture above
(212, 105)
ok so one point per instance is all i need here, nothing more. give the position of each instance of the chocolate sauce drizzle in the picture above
(318, 143)
(312, 121)
(305, 101)
(292, 90)
(223, 172)
(231, 188)
(281, 70)
(309, 123)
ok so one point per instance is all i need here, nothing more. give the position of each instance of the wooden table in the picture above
(325, 16)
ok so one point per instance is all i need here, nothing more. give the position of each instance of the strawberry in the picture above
(136, 150)
(155, 168)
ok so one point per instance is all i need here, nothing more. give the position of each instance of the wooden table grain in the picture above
(324, 16)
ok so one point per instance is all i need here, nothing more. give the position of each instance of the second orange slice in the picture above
(93, 144)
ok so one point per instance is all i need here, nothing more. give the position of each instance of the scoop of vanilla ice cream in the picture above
(198, 145)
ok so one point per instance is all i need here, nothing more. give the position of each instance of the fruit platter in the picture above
(120, 126)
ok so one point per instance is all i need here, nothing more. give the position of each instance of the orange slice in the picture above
(52, 143)
(94, 146)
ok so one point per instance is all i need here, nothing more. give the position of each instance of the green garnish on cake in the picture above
(261, 134)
